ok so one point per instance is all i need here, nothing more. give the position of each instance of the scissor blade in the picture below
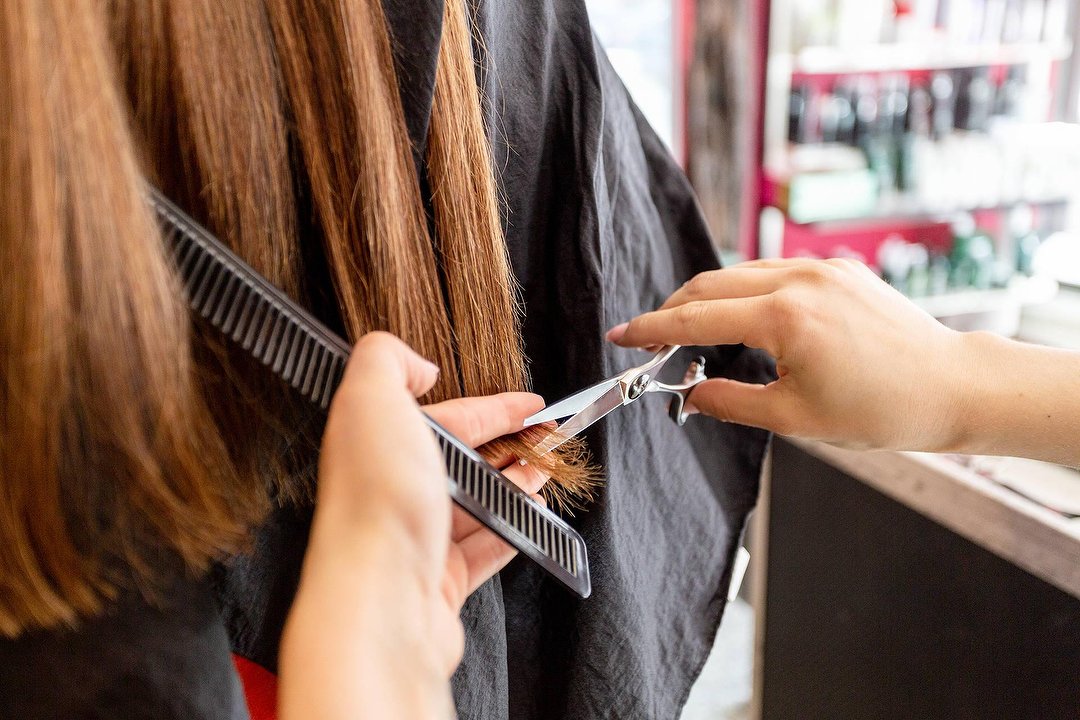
(572, 404)
(576, 425)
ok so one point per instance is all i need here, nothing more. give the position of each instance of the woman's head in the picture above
(277, 123)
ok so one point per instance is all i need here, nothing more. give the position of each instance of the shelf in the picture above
(912, 210)
(1020, 292)
(826, 60)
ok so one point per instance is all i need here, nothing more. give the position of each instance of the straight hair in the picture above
(127, 433)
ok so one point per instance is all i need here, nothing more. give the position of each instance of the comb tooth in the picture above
(271, 326)
(294, 364)
(201, 288)
(547, 538)
(226, 300)
(320, 378)
(541, 538)
(277, 336)
(285, 346)
(485, 499)
(456, 475)
(515, 503)
(241, 301)
(476, 484)
(556, 545)
(182, 249)
(506, 498)
(324, 388)
(471, 485)
(333, 378)
(250, 323)
(448, 460)
(214, 291)
(502, 500)
(312, 366)
(199, 261)
(196, 252)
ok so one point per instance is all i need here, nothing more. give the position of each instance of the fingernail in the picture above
(690, 409)
(522, 462)
(433, 366)
(616, 333)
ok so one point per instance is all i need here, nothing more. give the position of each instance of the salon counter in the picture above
(905, 585)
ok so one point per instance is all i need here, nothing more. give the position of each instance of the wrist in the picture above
(377, 520)
(973, 414)
(376, 545)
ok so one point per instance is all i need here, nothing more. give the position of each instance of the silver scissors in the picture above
(585, 407)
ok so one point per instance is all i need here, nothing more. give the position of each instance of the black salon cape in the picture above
(601, 225)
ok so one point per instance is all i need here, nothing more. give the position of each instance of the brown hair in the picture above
(114, 441)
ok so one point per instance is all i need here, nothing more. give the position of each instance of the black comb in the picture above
(302, 351)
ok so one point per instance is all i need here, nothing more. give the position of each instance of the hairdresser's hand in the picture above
(858, 363)
(374, 630)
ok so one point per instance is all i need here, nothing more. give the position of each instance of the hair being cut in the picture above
(278, 124)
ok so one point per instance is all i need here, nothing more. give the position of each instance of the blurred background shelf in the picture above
(936, 54)
(945, 127)
(1012, 298)
(901, 207)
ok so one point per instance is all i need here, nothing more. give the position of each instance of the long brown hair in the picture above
(278, 124)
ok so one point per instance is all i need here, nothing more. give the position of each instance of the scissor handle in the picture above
(695, 374)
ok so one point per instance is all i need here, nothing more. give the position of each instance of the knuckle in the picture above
(690, 315)
(786, 307)
(699, 285)
(847, 269)
(819, 274)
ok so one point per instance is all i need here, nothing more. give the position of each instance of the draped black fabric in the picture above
(601, 225)
(136, 662)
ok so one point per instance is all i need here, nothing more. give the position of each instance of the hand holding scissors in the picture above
(585, 407)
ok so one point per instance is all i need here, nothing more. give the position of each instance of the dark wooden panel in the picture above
(874, 611)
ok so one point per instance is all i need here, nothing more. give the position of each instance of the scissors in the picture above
(585, 407)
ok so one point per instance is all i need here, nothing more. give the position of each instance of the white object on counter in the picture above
(1051, 486)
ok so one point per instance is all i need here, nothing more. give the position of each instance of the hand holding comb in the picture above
(287, 339)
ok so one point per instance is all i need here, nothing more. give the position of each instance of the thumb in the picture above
(382, 356)
(743, 403)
